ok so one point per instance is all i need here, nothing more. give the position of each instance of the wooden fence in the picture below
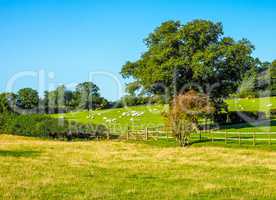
(139, 133)
(148, 133)
(161, 132)
(227, 136)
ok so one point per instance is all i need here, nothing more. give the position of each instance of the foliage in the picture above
(46, 126)
(248, 85)
(273, 78)
(7, 102)
(133, 87)
(184, 114)
(88, 95)
(259, 81)
(138, 96)
(239, 117)
(180, 57)
(61, 100)
(129, 100)
(27, 98)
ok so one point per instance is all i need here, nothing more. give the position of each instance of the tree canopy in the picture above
(86, 96)
(195, 56)
(273, 78)
(27, 98)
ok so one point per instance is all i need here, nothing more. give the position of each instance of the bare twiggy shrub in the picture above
(184, 113)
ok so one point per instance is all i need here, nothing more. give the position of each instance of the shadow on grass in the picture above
(200, 141)
(257, 124)
(17, 153)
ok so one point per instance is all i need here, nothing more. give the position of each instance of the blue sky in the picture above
(71, 38)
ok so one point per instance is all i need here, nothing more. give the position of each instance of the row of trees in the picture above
(86, 96)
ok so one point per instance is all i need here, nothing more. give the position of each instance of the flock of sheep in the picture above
(132, 115)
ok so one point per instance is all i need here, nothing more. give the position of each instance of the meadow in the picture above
(42, 168)
(46, 169)
(252, 104)
(151, 115)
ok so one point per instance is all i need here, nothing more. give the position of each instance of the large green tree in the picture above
(27, 98)
(196, 56)
(59, 100)
(55, 99)
(88, 95)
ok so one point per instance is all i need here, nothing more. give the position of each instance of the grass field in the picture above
(152, 115)
(255, 104)
(42, 169)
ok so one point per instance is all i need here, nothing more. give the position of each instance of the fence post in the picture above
(108, 132)
(239, 138)
(254, 138)
(146, 133)
(212, 134)
(167, 133)
(127, 136)
(269, 134)
(225, 136)
(200, 135)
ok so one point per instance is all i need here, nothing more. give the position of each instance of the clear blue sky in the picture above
(73, 38)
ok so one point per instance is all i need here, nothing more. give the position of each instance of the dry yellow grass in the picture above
(41, 169)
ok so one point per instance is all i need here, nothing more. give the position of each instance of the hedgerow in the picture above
(45, 126)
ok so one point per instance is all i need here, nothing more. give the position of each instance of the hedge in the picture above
(45, 126)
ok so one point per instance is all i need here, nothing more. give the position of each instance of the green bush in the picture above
(44, 126)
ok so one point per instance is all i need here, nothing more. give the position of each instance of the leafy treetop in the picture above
(178, 57)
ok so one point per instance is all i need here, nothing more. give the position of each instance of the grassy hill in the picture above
(42, 169)
(254, 104)
(150, 116)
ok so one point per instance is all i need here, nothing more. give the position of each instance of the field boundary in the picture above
(162, 132)
(227, 136)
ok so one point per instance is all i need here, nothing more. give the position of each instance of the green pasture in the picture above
(47, 169)
(252, 104)
(151, 115)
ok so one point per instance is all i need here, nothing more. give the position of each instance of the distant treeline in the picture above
(86, 96)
